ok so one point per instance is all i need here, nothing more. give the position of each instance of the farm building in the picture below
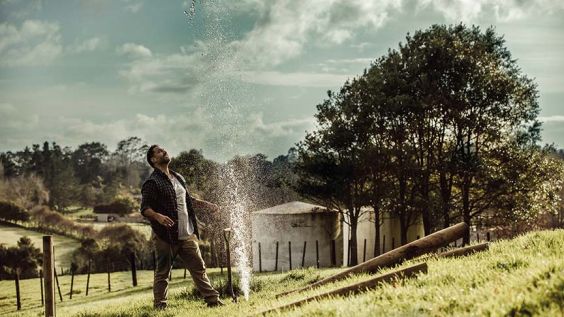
(292, 224)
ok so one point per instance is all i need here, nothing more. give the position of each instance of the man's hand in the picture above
(160, 218)
(206, 205)
(164, 220)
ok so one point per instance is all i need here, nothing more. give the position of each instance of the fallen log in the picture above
(356, 288)
(464, 251)
(411, 250)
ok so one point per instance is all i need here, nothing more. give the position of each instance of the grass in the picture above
(519, 277)
(10, 235)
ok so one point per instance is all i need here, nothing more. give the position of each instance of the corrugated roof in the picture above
(294, 207)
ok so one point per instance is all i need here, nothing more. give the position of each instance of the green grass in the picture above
(519, 277)
(10, 235)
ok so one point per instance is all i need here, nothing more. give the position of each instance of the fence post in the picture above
(260, 258)
(303, 255)
(133, 269)
(317, 253)
(58, 287)
(88, 276)
(349, 257)
(276, 258)
(41, 287)
(290, 254)
(488, 236)
(364, 252)
(333, 253)
(109, 277)
(184, 273)
(477, 236)
(18, 299)
(72, 280)
(393, 243)
(48, 271)
(384, 244)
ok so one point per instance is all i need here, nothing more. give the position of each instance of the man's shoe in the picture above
(218, 303)
(160, 306)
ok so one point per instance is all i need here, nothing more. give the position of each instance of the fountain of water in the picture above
(222, 98)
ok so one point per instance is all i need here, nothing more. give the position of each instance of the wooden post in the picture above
(18, 299)
(49, 276)
(260, 259)
(408, 251)
(290, 254)
(109, 277)
(41, 287)
(349, 248)
(364, 252)
(184, 273)
(333, 253)
(464, 251)
(383, 244)
(227, 237)
(393, 243)
(488, 236)
(477, 236)
(58, 287)
(276, 258)
(317, 253)
(72, 280)
(133, 269)
(356, 288)
(88, 276)
(303, 254)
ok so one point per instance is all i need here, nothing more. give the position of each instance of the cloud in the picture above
(88, 45)
(552, 119)
(134, 7)
(298, 79)
(35, 43)
(500, 10)
(286, 27)
(134, 50)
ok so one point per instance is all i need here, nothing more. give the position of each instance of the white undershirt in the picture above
(185, 226)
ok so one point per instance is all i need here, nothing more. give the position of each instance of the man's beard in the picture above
(165, 160)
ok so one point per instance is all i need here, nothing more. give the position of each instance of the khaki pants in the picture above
(189, 252)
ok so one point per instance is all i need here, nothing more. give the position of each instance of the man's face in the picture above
(160, 156)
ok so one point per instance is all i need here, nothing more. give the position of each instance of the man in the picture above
(169, 207)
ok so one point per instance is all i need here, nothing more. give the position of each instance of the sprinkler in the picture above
(227, 237)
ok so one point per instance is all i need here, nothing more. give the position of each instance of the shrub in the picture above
(9, 211)
(121, 205)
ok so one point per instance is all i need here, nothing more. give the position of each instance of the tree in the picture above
(88, 160)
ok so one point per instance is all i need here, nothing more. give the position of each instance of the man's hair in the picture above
(150, 154)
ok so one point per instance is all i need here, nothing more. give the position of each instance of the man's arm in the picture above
(148, 198)
(205, 205)
(160, 218)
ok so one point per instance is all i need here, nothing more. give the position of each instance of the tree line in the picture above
(440, 130)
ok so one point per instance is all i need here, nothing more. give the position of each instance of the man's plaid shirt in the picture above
(158, 194)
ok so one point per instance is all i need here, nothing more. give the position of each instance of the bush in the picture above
(121, 205)
(9, 211)
(25, 257)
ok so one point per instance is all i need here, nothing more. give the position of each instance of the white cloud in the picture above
(287, 26)
(134, 50)
(88, 45)
(552, 119)
(501, 10)
(35, 43)
(134, 7)
(298, 79)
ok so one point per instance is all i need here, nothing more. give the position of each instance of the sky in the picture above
(227, 77)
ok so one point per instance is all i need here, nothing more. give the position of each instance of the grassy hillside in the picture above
(524, 276)
(10, 235)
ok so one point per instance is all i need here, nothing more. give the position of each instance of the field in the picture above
(523, 276)
(10, 235)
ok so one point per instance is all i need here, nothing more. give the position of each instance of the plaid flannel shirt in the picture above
(158, 194)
